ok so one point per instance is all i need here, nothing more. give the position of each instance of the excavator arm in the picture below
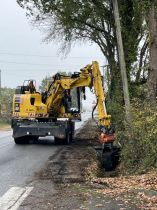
(89, 76)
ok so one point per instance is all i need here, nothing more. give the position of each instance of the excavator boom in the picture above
(90, 76)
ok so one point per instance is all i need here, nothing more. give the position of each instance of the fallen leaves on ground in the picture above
(138, 189)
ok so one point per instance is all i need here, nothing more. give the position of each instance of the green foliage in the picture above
(6, 103)
(44, 83)
(145, 4)
(138, 91)
(68, 21)
(131, 22)
(117, 112)
(139, 155)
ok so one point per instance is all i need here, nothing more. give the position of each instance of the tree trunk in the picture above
(116, 89)
(152, 75)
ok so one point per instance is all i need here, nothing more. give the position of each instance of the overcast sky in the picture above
(23, 55)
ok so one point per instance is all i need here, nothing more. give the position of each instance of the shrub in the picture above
(140, 153)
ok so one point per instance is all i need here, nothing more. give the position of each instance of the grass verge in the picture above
(4, 126)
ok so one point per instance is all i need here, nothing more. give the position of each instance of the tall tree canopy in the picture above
(92, 20)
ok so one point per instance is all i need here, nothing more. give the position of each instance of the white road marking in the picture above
(13, 198)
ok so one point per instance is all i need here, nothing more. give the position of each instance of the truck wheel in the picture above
(72, 136)
(58, 141)
(17, 140)
(21, 140)
(72, 131)
(35, 139)
(68, 139)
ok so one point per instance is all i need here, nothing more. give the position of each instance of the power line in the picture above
(43, 56)
(33, 64)
(28, 55)
(14, 68)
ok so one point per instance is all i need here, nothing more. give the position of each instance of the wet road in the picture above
(18, 163)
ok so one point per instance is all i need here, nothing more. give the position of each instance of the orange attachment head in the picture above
(107, 138)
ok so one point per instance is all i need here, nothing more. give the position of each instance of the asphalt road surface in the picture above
(18, 163)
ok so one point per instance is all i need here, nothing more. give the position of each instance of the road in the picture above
(18, 163)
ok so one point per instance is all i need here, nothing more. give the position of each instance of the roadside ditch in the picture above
(74, 179)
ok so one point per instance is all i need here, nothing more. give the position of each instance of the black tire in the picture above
(26, 140)
(21, 140)
(35, 139)
(17, 140)
(71, 135)
(58, 141)
(72, 131)
(68, 139)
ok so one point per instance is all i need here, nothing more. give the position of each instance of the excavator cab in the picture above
(28, 85)
(72, 101)
(21, 89)
(27, 103)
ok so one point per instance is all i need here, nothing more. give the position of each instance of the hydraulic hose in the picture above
(94, 109)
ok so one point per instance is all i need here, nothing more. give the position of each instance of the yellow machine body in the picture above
(34, 105)
(29, 105)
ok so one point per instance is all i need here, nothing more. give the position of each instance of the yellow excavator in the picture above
(55, 111)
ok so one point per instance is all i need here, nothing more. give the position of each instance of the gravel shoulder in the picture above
(73, 180)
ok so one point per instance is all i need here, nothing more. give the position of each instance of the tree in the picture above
(92, 20)
(44, 83)
(152, 77)
(6, 101)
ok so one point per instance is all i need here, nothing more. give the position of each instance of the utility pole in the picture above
(122, 66)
